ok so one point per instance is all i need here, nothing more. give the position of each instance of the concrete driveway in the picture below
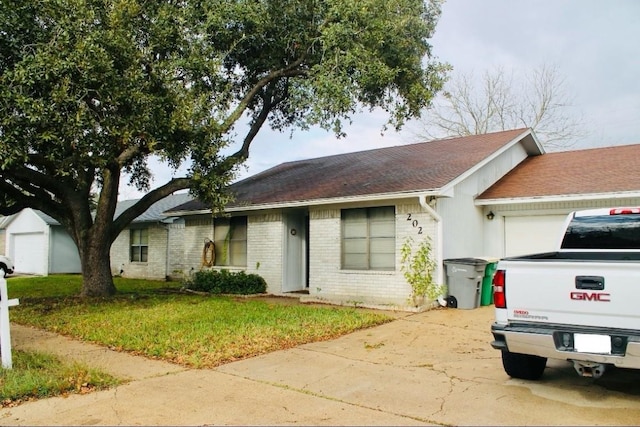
(435, 368)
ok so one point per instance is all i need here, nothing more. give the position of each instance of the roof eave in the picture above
(556, 198)
(440, 192)
(340, 200)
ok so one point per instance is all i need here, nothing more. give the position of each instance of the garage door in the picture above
(29, 253)
(530, 234)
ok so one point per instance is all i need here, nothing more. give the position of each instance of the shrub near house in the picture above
(225, 282)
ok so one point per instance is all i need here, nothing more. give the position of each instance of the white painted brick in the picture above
(265, 237)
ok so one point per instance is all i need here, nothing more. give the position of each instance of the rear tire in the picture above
(523, 366)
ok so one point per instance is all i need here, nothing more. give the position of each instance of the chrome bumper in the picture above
(545, 341)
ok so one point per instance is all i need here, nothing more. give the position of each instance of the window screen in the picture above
(231, 241)
(139, 245)
(368, 238)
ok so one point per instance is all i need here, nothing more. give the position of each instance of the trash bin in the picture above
(464, 281)
(487, 282)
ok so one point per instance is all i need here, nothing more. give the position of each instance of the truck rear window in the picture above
(603, 232)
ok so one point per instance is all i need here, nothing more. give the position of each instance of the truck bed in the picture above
(579, 256)
(594, 289)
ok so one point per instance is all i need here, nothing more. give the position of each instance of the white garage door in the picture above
(531, 234)
(29, 253)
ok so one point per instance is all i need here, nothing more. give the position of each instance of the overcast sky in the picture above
(593, 43)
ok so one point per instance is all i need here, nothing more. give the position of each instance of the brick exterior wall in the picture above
(264, 248)
(265, 236)
(197, 229)
(327, 281)
(156, 265)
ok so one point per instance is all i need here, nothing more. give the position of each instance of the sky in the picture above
(592, 43)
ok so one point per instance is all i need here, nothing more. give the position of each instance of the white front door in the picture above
(295, 247)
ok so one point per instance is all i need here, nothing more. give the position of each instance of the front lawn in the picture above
(38, 375)
(155, 319)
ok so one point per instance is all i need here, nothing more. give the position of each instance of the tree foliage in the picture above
(90, 89)
(499, 101)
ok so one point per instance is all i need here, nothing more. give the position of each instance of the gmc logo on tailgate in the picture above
(590, 296)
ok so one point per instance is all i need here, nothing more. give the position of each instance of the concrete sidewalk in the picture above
(435, 367)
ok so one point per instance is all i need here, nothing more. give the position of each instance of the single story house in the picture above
(334, 226)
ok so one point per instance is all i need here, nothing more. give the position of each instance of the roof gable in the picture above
(579, 172)
(411, 168)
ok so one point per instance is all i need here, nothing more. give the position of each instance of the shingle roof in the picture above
(153, 214)
(155, 211)
(46, 218)
(406, 168)
(579, 172)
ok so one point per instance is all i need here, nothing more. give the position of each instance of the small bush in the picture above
(226, 282)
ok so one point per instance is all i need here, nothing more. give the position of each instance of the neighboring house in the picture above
(531, 202)
(152, 246)
(38, 244)
(334, 226)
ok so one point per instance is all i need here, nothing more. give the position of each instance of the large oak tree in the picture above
(89, 89)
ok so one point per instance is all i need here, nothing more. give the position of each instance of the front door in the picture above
(295, 252)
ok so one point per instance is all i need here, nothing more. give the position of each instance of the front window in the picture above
(230, 241)
(139, 245)
(369, 238)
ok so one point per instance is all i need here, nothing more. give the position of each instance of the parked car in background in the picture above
(6, 264)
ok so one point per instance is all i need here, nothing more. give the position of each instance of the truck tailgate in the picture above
(593, 293)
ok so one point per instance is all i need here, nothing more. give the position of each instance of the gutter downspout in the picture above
(422, 199)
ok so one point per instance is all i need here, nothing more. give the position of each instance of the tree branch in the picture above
(40, 199)
(289, 71)
(145, 203)
(269, 102)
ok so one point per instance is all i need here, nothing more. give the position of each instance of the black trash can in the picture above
(464, 282)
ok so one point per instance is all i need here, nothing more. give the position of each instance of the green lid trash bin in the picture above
(487, 283)
(464, 281)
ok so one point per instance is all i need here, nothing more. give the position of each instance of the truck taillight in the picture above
(499, 298)
(624, 211)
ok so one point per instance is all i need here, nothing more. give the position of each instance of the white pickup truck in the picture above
(580, 303)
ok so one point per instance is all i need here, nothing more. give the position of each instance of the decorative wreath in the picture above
(208, 254)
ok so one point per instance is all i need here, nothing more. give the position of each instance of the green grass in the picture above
(38, 375)
(64, 285)
(154, 319)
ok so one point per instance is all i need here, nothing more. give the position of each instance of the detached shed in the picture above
(39, 245)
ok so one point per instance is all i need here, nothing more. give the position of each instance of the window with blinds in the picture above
(368, 238)
(231, 241)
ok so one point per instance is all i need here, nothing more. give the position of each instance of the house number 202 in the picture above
(414, 223)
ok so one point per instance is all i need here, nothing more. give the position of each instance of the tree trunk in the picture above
(95, 259)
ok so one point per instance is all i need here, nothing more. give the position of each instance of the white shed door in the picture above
(531, 234)
(29, 253)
